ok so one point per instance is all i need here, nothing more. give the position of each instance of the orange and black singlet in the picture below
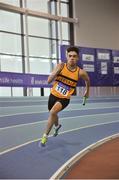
(65, 82)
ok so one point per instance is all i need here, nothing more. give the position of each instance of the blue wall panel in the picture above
(102, 65)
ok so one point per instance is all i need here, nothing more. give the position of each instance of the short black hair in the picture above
(73, 48)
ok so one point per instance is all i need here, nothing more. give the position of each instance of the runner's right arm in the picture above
(55, 72)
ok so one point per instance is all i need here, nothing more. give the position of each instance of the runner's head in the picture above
(72, 55)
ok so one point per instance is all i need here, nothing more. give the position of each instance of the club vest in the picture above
(65, 82)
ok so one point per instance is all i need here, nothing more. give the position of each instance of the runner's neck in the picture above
(71, 68)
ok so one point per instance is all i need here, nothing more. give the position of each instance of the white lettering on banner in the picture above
(16, 81)
(32, 80)
(103, 67)
(4, 80)
(104, 56)
(88, 57)
(40, 82)
(115, 59)
(13, 81)
(116, 70)
(88, 67)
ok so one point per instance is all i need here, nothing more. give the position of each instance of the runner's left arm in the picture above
(84, 75)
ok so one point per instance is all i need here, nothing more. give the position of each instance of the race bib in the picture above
(62, 89)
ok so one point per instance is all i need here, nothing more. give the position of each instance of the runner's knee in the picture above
(53, 112)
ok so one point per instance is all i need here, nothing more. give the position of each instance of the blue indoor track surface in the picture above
(23, 120)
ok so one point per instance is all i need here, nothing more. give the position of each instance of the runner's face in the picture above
(72, 58)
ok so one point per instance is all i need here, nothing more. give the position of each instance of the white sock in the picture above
(57, 126)
(45, 135)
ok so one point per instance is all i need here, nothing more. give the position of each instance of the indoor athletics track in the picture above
(22, 122)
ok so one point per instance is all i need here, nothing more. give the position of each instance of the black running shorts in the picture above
(53, 99)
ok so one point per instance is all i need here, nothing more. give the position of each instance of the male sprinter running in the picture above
(65, 76)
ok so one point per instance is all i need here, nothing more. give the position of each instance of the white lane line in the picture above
(35, 140)
(45, 98)
(68, 164)
(72, 99)
(17, 107)
(66, 110)
(38, 105)
(28, 101)
(44, 121)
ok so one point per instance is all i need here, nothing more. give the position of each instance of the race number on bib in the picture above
(62, 89)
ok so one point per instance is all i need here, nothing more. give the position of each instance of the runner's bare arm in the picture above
(83, 74)
(55, 72)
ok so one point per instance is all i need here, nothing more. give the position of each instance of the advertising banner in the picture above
(104, 68)
(23, 80)
(115, 59)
